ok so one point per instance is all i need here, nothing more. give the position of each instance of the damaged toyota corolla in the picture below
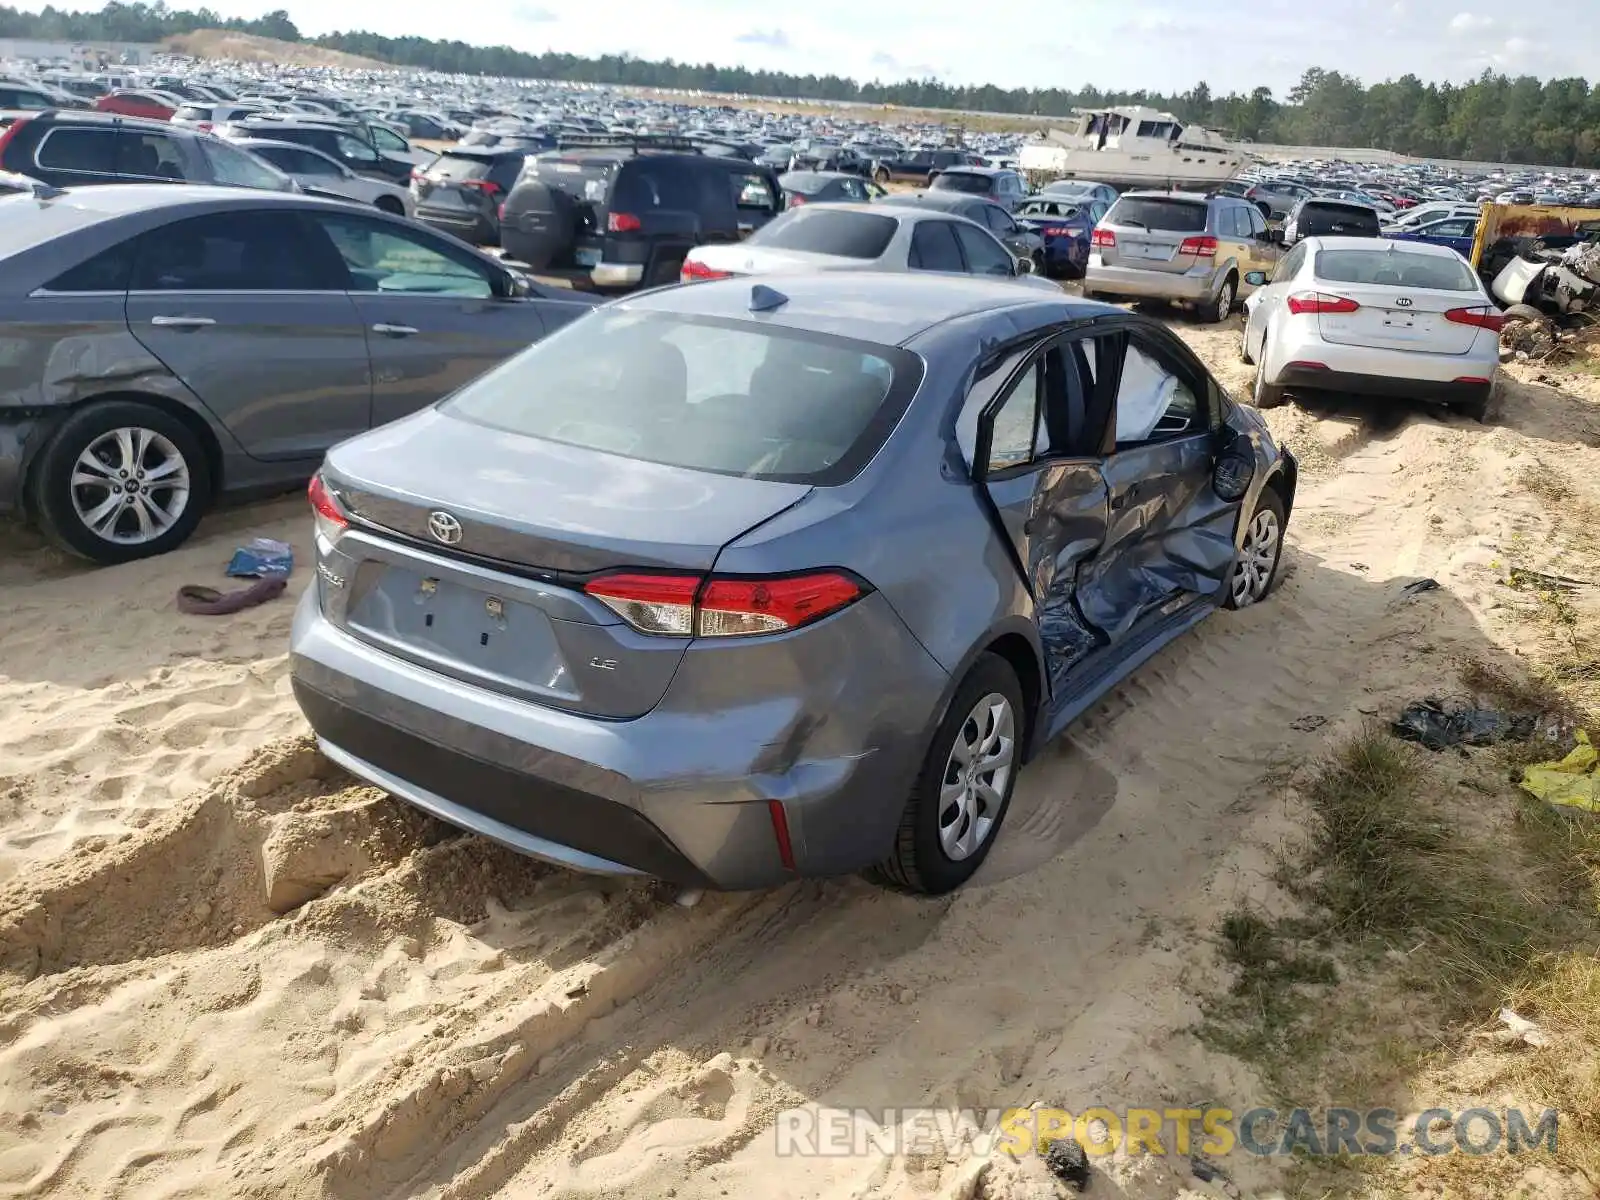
(729, 584)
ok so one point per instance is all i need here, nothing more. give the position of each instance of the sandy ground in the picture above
(226, 969)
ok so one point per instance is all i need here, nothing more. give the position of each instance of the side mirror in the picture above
(1024, 266)
(1256, 278)
(516, 287)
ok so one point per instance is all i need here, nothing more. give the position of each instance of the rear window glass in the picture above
(847, 234)
(962, 181)
(1171, 216)
(459, 166)
(193, 112)
(68, 149)
(726, 397)
(1396, 268)
(1337, 218)
(581, 180)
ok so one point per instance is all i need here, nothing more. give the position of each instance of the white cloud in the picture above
(772, 39)
(1468, 22)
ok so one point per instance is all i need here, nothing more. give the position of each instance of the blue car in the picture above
(1455, 232)
(1065, 225)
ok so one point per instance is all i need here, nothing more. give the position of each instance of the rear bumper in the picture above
(1378, 371)
(469, 227)
(682, 793)
(1191, 287)
(608, 274)
(1452, 393)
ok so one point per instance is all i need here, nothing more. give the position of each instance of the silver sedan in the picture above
(1374, 317)
(322, 174)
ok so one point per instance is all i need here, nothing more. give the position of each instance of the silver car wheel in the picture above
(1258, 558)
(130, 486)
(976, 776)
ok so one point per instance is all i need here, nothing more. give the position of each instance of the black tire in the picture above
(666, 269)
(541, 226)
(389, 205)
(1222, 303)
(1244, 345)
(51, 491)
(918, 863)
(1038, 264)
(1269, 499)
(1478, 410)
(1266, 395)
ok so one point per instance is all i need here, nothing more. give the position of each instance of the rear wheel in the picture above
(960, 796)
(1244, 344)
(1267, 395)
(120, 480)
(389, 205)
(1222, 305)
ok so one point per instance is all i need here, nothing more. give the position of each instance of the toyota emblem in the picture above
(1402, 302)
(444, 527)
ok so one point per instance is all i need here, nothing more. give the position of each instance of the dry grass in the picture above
(886, 114)
(248, 47)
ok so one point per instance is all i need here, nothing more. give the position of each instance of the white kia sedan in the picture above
(1374, 317)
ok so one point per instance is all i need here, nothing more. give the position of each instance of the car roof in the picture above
(941, 200)
(890, 308)
(969, 169)
(820, 177)
(1192, 197)
(1379, 244)
(92, 116)
(118, 199)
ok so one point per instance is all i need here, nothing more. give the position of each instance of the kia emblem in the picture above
(1402, 302)
(444, 527)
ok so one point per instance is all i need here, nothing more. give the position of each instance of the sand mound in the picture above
(238, 972)
(248, 47)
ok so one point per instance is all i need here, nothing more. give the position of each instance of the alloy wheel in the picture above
(1258, 558)
(130, 485)
(976, 775)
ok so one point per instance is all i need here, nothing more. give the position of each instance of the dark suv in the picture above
(921, 166)
(1002, 186)
(625, 212)
(70, 149)
(461, 191)
(347, 142)
(1318, 217)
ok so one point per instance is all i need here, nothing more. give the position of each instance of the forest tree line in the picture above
(1494, 117)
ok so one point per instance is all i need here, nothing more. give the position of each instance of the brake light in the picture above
(1304, 303)
(623, 223)
(500, 212)
(688, 606)
(1306, 364)
(416, 172)
(1483, 318)
(1103, 239)
(205, 126)
(10, 131)
(487, 186)
(796, 199)
(1051, 231)
(329, 517)
(1200, 247)
(693, 271)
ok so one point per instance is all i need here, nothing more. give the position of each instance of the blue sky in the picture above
(1232, 44)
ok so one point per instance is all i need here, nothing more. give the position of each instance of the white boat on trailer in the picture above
(1133, 146)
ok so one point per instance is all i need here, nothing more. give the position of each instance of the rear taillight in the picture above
(1051, 231)
(1478, 380)
(1303, 303)
(694, 271)
(689, 606)
(1103, 239)
(619, 222)
(205, 126)
(796, 200)
(1483, 318)
(330, 518)
(1200, 247)
(416, 172)
(500, 213)
(487, 186)
(10, 131)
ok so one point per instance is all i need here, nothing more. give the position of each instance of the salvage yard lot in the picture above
(226, 968)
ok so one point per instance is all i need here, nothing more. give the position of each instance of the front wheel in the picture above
(120, 480)
(1255, 570)
(962, 792)
(1222, 305)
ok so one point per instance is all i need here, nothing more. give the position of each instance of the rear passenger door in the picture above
(434, 316)
(248, 309)
(1169, 538)
(1035, 454)
(934, 248)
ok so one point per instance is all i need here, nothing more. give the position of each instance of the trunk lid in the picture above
(1398, 318)
(758, 260)
(1150, 233)
(502, 605)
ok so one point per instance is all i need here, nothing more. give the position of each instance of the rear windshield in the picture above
(580, 179)
(723, 396)
(847, 234)
(459, 166)
(1171, 216)
(1396, 268)
(194, 112)
(962, 181)
(1321, 218)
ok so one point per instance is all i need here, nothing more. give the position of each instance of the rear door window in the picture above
(85, 151)
(1159, 213)
(149, 156)
(234, 252)
(653, 185)
(753, 193)
(385, 258)
(1153, 403)
(984, 255)
(934, 247)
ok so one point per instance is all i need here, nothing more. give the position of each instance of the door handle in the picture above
(182, 322)
(394, 330)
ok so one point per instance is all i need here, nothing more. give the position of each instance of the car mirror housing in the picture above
(1255, 278)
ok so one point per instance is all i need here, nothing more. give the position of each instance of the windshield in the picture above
(1396, 268)
(1170, 216)
(820, 231)
(962, 181)
(728, 397)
